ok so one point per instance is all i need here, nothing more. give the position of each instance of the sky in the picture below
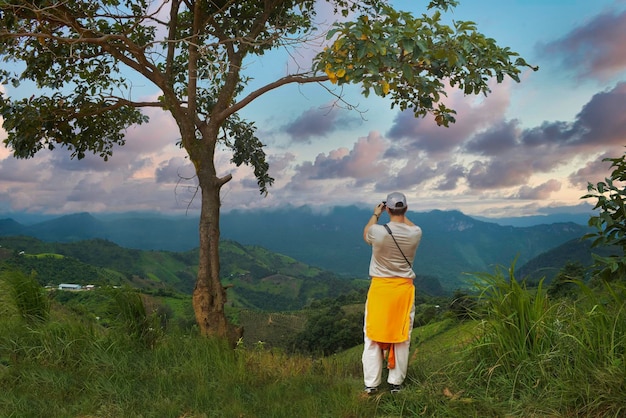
(528, 148)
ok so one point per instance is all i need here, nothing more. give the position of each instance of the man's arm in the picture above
(373, 219)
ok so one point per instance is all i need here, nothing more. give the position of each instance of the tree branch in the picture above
(223, 180)
(112, 106)
(294, 78)
(171, 47)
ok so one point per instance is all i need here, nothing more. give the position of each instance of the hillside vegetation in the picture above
(521, 355)
(508, 350)
(257, 278)
(271, 295)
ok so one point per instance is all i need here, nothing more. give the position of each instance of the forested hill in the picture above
(256, 278)
(453, 244)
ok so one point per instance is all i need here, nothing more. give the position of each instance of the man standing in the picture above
(390, 305)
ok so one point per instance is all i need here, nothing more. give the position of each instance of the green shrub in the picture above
(328, 331)
(462, 305)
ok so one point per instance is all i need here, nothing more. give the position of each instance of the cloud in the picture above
(472, 115)
(279, 163)
(602, 121)
(541, 192)
(13, 170)
(490, 156)
(318, 122)
(498, 173)
(412, 174)
(509, 155)
(174, 170)
(139, 176)
(497, 140)
(595, 49)
(362, 163)
(452, 177)
(592, 172)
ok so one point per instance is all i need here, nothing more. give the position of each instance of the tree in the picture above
(610, 223)
(564, 284)
(193, 51)
(329, 331)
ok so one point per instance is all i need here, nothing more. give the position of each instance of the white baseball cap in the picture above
(396, 200)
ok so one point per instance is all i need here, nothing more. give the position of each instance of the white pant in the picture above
(373, 360)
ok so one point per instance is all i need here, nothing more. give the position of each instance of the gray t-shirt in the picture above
(387, 261)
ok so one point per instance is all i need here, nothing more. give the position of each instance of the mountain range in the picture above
(453, 244)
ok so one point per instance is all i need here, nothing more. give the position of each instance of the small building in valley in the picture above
(69, 286)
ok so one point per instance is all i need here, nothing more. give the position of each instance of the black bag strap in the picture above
(397, 245)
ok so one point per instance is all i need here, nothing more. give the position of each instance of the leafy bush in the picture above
(564, 283)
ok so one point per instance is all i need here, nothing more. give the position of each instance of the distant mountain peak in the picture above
(78, 215)
(10, 227)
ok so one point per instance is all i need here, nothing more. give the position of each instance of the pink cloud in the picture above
(595, 49)
(473, 115)
(361, 163)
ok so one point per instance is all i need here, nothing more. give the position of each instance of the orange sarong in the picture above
(388, 310)
(389, 303)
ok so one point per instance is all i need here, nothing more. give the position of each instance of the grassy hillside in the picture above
(109, 352)
(109, 372)
(66, 368)
(266, 291)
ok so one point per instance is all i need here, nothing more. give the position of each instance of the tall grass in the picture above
(183, 375)
(593, 344)
(28, 296)
(70, 367)
(135, 317)
(554, 357)
(517, 324)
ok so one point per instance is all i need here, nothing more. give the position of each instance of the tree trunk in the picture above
(209, 296)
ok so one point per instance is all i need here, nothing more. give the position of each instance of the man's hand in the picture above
(378, 210)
